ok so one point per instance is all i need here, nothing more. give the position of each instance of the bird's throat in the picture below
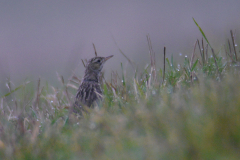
(91, 76)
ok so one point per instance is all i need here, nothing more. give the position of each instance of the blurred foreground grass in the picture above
(193, 114)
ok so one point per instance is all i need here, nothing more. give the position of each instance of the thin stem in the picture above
(95, 49)
(214, 57)
(164, 63)
(200, 52)
(233, 41)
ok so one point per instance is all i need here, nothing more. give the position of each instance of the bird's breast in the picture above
(89, 92)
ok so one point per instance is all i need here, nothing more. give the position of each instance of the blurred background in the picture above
(40, 38)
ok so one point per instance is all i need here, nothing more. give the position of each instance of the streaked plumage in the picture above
(90, 89)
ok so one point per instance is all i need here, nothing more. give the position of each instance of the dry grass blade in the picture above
(1, 104)
(129, 60)
(66, 92)
(35, 132)
(67, 95)
(106, 82)
(72, 81)
(233, 42)
(191, 63)
(135, 89)
(150, 50)
(8, 84)
(98, 94)
(203, 48)
(228, 54)
(201, 53)
(60, 78)
(83, 63)
(153, 61)
(21, 127)
(114, 92)
(164, 64)
(75, 79)
(36, 103)
(72, 86)
(114, 79)
(95, 51)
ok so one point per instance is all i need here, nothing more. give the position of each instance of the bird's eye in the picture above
(98, 61)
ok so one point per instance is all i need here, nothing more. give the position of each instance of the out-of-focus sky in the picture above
(40, 38)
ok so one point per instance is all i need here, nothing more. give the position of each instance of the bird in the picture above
(90, 90)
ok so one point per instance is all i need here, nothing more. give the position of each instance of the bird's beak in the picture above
(106, 58)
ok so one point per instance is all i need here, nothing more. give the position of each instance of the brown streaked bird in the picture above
(90, 89)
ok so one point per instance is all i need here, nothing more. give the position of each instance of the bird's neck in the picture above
(91, 76)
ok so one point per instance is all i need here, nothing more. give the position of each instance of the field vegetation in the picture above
(179, 111)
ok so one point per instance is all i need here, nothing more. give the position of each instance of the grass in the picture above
(188, 111)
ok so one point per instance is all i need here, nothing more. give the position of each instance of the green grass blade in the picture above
(194, 65)
(12, 91)
(168, 63)
(123, 79)
(200, 29)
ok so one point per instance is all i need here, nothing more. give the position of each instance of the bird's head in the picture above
(96, 64)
